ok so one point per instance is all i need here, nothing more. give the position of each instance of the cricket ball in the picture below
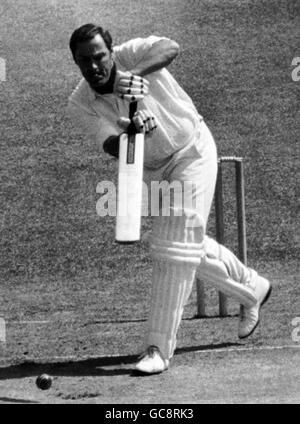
(44, 381)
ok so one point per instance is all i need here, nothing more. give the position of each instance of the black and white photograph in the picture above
(149, 204)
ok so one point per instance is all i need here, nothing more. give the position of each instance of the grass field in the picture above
(59, 263)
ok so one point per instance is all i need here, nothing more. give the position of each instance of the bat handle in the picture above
(132, 110)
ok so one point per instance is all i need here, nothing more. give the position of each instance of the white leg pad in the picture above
(171, 289)
(226, 273)
(176, 251)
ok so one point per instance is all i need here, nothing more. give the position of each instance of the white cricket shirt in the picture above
(175, 114)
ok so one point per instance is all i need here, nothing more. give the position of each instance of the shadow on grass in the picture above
(192, 318)
(14, 400)
(217, 316)
(90, 367)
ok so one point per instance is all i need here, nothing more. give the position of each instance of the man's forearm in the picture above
(159, 56)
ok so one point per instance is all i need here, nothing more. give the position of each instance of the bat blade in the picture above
(130, 185)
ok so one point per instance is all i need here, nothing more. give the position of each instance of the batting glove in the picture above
(143, 120)
(131, 88)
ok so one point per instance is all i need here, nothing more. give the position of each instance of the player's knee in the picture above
(212, 248)
(182, 225)
(178, 237)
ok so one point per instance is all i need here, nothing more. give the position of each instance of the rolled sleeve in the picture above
(130, 53)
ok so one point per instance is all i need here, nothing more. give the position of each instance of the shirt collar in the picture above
(93, 95)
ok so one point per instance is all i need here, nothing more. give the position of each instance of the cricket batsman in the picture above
(178, 147)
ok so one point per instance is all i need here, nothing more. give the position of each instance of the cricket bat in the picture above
(130, 183)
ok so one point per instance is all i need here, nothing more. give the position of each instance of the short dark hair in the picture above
(87, 32)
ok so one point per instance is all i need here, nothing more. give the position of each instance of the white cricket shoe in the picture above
(152, 361)
(249, 317)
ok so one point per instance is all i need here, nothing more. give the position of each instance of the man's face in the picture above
(95, 61)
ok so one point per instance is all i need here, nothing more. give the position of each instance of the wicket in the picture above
(219, 222)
